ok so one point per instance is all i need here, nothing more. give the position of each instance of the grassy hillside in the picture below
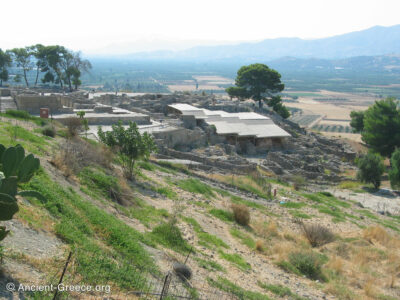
(126, 234)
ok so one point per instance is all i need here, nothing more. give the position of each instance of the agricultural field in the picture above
(200, 83)
(327, 111)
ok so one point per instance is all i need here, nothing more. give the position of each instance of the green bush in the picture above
(23, 115)
(370, 169)
(49, 131)
(170, 236)
(308, 264)
(394, 173)
(19, 114)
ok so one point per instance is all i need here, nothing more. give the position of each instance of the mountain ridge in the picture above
(374, 41)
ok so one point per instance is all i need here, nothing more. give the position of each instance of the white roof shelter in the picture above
(243, 124)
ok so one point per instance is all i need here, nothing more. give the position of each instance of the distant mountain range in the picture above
(374, 41)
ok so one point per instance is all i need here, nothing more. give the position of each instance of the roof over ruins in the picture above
(243, 124)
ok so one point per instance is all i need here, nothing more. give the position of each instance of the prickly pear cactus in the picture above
(15, 168)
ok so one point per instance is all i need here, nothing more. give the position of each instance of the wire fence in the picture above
(69, 284)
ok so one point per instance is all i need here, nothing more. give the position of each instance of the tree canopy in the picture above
(357, 121)
(370, 169)
(394, 173)
(5, 63)
(129, 143)
(382, 126)
(58, 65)
(260, 83)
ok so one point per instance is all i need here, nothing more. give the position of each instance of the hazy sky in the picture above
(100, 26)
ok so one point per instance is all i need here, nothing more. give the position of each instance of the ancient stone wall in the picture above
(5, 92)
(182, 138)
(33, 103)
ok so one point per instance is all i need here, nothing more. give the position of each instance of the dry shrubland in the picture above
(73, 125)
(241, 214)
(317, 235)
(76, 153)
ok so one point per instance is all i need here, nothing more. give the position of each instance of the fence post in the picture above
(167, 281)
(63, 273)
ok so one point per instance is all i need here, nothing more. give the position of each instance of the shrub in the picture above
(241, 214)
(107, 186)
(76, 153)
(49, 131)
(298, 182)
(376, 233)
(260, 246)
(317, 235)
(370, 169)
(170, 236)
(183, 271)
(308, 264)
(394, 173)
(129, 144)
(19, 114)
(73, 125)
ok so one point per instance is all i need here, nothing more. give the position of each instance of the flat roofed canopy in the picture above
(242, 124)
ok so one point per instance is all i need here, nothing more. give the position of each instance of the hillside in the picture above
(128, 234)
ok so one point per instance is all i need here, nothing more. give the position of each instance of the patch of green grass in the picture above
(193, 185)
(337, 215)
(239, 200)
(225, 285)
(294, 204)
(12, 135)
(211, 241)
(223, 215)
(368, 214)
(175, 167)
(210, 265)
(235, 259)
(245, 238)
(85, 228)
(149, 166)
(288, 267)
(299, 214)
(145, 213)
(313, 197)
(280, 290)
(146, 165)
(349, 185)
(98, 182)
(25, 116)
(169, 235)
(205, 239)
(278, 181)
(167, 192)
(389, 224)
(326, 198)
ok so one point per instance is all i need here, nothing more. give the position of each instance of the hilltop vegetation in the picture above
(303, 243)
